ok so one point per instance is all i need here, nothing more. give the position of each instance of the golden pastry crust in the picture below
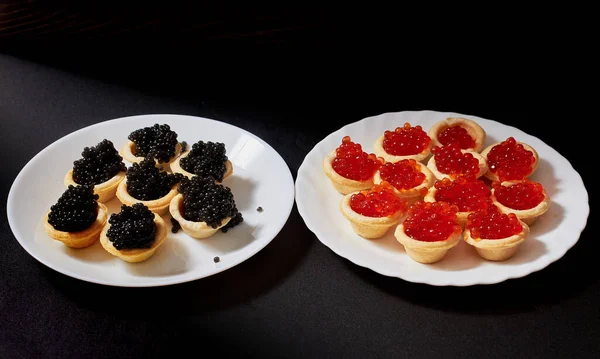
(105, 190)
(483, 167)
(176, 167)
(342, 184)
(127, 154)
(159, 206)
(425, 252)
(497, 249)
(411, 195)
(528, 216)
(473, 129)
(368, 227)
(193, 229)
(81, 239)
(460, 216)
(138, 254)
(494, 177)
(379, 151)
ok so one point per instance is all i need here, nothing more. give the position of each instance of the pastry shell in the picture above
(159, 206)
(193, 229)
(105, 190)
(80, 239)
(342, 184)
(368, 227)
(412, 194)
(528, 216)
(425, 252)
(494, 177)
(380, 151)
(137, 254)
(473, 129)
(176, 167)
(127, 154)
(483, 167)
(497, 249)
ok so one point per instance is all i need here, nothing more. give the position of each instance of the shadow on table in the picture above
(237, 285)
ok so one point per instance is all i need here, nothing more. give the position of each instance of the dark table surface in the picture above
(295, 298)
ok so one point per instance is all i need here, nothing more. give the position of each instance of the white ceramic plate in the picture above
(551, 236)
(260, 178)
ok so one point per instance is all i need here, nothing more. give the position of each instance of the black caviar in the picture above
(175, 225)
(207, 201)
(158, 140)
(183, 146)
(75, 210)
(146, 181)
(132, 228)
(98, 164)
(206, 159)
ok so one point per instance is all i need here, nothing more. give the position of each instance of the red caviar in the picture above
(467, 193)
(522, 195)
(378, 201)
(404, 174)
(353, 163)
(490, 223)
(451, 161)
(431, 222)
(406, 140)
(458, 135)
(509, 160)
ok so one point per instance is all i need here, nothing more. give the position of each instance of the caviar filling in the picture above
(378, 201)
(132, 228)
(146, 181)
(404, 174)
(451, 161)
(509, 160)
(431, 221)
(98, 164)
(353, 163)
(490, 223)
(406, 140)
(158, 140)
(521, 195)
(467, 193)
(206, 159)
(204, 200)
(75, 210)
(458, 135)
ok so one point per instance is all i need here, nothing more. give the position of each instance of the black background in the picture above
(295, 298)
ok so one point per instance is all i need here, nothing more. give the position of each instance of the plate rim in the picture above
(420, 280)
(162, 282)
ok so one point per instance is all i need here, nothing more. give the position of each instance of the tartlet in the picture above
(460, 159)
(193, 229)
(158, 140)
(381, 210)
(526, 207)
(403, 175)
(176, 167)
(522, 164)
(405, 142)
(429, 231)
(472, 129)
(106, 191)
(129, 148)
(501, 247)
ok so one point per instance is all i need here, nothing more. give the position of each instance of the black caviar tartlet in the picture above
(205, 159)
(157, 140)
(100, 166)
(134, 233)
(77, 218)
(150, 185)
(203, 206)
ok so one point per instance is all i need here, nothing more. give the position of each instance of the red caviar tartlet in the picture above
(451, 161)
(404, 143)
(528, 200)
(466, 133)
(496, 236)
(429, 231)
(410, 179)
(374, 211)
(510, 160)
(349, 168)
